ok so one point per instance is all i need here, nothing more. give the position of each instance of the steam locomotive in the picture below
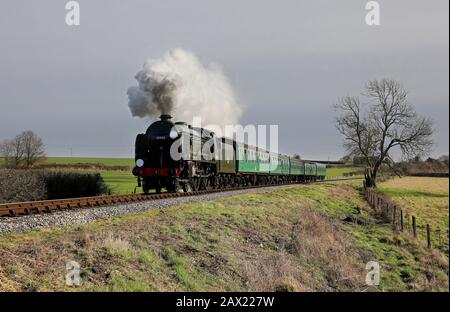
(204, 161)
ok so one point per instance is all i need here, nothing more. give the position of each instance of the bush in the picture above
(22, 185)
(71, 184)
(30, 185)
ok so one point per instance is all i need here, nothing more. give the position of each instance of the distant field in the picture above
(91, 160)
(334, 172)
(424, 197)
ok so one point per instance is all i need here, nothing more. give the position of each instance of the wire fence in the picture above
(402, 221)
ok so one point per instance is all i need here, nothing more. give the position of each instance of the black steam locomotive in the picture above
(204, 161)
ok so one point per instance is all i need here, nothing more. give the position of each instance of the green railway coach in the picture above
(310, 169)
(279, 164)
(252, 160)
(321, 170)
(246, 159)
(297, 167)
(263, 161)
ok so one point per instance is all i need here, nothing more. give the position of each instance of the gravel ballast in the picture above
(80, 216)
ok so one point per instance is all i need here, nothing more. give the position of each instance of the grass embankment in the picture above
(289, 238)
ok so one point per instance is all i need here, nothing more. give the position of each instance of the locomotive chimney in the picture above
(165, 117)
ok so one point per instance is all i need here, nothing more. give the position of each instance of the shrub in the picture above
(71, 184)
(29, 185)
(22, 185)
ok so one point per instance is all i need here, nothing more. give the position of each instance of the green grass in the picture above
(338, 171)
(120, 182)
(91, 160)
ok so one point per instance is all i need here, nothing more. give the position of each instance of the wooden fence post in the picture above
(414, 225)
(401, 220)
(394, 212)
(428, 236)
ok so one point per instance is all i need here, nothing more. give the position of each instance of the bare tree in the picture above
(6, 152)
(32, 146)
(24, 150)
(386, 121)
(12, 152)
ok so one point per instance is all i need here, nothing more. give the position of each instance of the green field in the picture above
(339, 171)
(120, 182)
(424, 197)
(87, 160)
(91, 160)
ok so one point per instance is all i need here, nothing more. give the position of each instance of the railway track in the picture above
(48, 206)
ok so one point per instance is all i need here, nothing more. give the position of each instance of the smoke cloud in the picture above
(180, 85)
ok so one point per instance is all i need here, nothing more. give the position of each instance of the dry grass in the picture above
(317, 255)
(426, 198)
(116, 244)
(426, 184)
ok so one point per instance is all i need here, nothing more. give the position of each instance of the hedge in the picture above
(29, 185)
(71, 184)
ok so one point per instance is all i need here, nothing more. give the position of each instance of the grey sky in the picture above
(288, 60)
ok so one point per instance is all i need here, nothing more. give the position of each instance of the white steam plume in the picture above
(180, 85)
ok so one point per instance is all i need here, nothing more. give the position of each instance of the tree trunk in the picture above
(370, 176)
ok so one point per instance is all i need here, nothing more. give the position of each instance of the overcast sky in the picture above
(288, 61)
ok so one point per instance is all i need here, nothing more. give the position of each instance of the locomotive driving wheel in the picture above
(187, 187)
(176, 187)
